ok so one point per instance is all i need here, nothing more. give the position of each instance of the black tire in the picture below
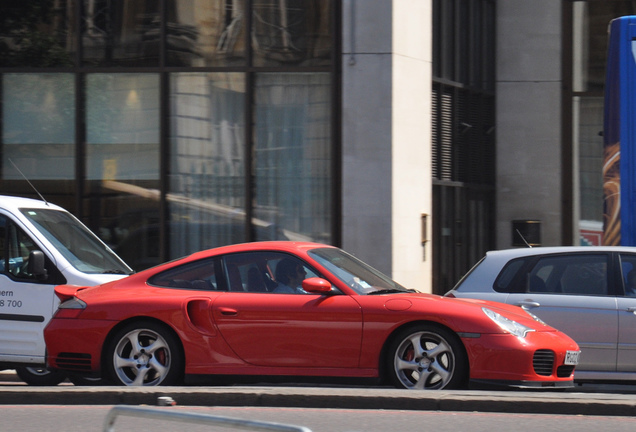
(144, 354)
(80, 380)
(40, 376)
(427, 357)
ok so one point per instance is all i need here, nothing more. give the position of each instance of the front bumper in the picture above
(536, 361)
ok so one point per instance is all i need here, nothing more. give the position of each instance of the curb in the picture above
(393, 399)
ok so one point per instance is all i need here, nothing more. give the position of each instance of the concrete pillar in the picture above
(386, 136)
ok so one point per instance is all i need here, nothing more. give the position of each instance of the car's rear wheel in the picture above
(144, 354)
(40, 376)
(427, 357)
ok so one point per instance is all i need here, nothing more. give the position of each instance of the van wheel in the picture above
(39, 376)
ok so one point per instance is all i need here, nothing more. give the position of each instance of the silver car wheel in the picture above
(142, 357)
(424, 360)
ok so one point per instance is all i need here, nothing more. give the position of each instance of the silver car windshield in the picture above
(359, 276)
(76, 243)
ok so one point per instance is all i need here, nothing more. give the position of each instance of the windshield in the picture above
(361, 277)
(75, 242)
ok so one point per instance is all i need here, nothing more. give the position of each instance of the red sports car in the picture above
(296, 310)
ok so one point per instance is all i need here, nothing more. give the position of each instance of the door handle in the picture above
(528, 304)
(225, 311)
(632, 309)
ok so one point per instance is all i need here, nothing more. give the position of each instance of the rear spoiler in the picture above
(67, 292)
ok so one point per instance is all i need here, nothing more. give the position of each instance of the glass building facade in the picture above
(587, 25)
(170, 126)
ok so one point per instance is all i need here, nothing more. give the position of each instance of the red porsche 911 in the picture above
(291, 309)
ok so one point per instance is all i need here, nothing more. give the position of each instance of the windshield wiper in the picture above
(390, 291)
(114, 271)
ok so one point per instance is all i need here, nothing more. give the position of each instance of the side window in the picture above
(504, 282)
(583, 274)
(266, 272)
(16, 248)
(199, 275)
(3, 243)
(628, 270)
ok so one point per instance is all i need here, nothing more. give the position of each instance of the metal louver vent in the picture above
(543, 362)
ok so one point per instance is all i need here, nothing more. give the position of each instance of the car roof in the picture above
(15, 203)
(521, 252)
(483, 274)
(279, 245)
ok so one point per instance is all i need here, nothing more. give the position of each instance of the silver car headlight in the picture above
(506, 324)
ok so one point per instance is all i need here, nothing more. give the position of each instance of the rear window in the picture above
(505, 281)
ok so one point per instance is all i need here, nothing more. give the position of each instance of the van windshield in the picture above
(76, 243)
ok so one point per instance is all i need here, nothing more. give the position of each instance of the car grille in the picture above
(74, 361)
(543, 362)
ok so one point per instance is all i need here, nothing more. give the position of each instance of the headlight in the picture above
(534, 317)
(506, 324)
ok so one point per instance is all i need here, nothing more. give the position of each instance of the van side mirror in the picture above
(36, 265)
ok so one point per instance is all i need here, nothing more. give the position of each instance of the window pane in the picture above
(207, 176)
(37, 33)
(589, 32)
(628, 269)
(122, 126)
(38, 119)
(291, 32)
(198, 275)
(206, 33)
(292, 155)
(265, 272)
(121, 32)
(122, 164)
(583, 274)
(588, 114)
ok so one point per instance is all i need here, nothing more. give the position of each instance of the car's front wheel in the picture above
(427, 357)
(144, 354)
(40, 376)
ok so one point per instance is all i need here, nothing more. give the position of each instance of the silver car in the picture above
(586, 292)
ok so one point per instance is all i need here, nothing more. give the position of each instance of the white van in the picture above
(41, 246)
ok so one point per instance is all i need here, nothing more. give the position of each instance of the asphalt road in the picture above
(586, 400)
(86, 418)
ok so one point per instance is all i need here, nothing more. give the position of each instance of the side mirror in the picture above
(316, 285)
(36, 265)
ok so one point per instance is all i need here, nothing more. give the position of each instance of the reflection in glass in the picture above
(292, 154)
(37, 33)
(121, 32)
(288, 32)
(207, 176)
(589, 112)
(206, 33)
(122, 126)
(589, 45)
(38, 126)
(122, 164)
(127, 220)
